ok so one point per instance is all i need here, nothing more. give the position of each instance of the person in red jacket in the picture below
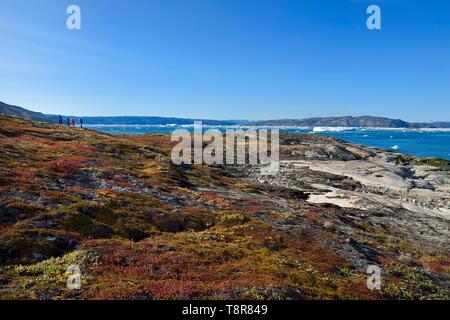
(73, 122)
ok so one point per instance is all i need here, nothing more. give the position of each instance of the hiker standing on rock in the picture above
(81, 123)
(60, 119)
(68, 122)
(73, 122)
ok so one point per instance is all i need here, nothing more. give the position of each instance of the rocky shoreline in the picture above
(377, 182)
(140, 227)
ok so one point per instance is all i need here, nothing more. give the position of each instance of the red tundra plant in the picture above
(80, 147)
(23, 175)
(78, 189)
(67, 165)
(53, 144)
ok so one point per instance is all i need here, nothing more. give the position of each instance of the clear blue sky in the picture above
(228, 59)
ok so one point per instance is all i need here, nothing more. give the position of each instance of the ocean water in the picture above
(420, 142)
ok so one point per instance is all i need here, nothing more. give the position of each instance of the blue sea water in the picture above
(420, 143)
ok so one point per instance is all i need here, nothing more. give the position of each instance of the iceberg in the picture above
(333, 129)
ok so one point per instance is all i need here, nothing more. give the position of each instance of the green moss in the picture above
(435, 162)
(78, 223)
(404, 282)
(233, 219)
(24, 207)
(46, 279)
(134, 230)
(99, 213)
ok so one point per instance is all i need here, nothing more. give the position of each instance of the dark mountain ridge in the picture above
(12, 110)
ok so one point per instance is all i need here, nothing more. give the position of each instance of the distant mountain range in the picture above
(362, 121)
(122, 120)
(118, 120)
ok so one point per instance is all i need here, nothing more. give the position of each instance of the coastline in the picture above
(142, 228)
(411, 142)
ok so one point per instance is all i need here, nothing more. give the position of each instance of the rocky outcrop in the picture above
(413, 199)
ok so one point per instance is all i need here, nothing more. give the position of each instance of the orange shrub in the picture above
(78, 189)
(22, 174)
(436, 267)
(67, 165)
(80, 147)
(311, 216)
(53, 144)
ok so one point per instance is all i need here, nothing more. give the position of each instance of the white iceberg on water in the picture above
(333, 129)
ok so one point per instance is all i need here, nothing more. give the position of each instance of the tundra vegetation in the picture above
(140, 227)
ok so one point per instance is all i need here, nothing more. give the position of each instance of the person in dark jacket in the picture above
(68, 122)
(60, 119)
(81, 122)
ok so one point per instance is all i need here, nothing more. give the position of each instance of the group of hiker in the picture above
(71, 122)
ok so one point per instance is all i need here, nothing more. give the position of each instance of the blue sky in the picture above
(228, 59)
